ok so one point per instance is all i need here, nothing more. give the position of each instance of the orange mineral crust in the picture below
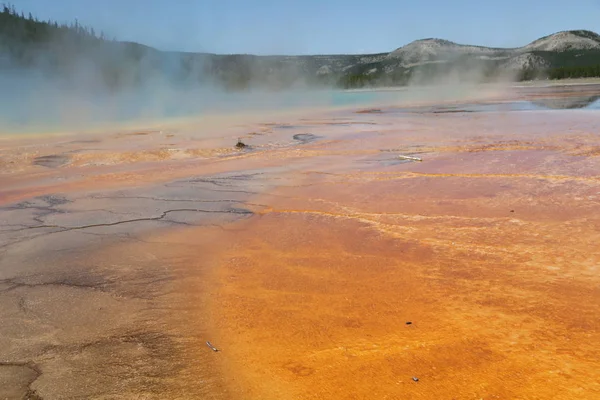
(430, 252)
(338, 303)
(474, 272)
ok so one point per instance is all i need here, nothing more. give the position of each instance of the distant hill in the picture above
(68, 51)
(564, 41)
(427, 50)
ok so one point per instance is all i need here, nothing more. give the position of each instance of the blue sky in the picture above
(319, 27)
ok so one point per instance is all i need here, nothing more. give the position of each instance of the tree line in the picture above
(401, 78)
(29, 29)
(590, 71)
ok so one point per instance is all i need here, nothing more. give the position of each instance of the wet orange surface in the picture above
(473, 274)
(492, 257)
(315, 305)
(497, 275)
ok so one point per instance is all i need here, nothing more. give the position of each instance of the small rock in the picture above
(414, 378)
(408, 323)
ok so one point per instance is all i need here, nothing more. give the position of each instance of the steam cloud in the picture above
(67, 78)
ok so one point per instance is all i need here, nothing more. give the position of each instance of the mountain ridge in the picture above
(62, 50)
(423, 50)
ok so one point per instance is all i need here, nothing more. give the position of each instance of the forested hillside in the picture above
(65, 51)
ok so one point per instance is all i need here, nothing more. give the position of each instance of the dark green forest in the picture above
(28, 29)
(22, 36)
(563, 65)
(60, 50)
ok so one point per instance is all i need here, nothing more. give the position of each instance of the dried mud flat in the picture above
(321, 269)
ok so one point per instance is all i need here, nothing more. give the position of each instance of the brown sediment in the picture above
(320, 270)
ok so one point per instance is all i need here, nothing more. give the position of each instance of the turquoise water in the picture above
(70, 110)
(358, 98)
(51, 109)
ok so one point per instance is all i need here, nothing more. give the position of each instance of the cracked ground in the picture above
(80, 324)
